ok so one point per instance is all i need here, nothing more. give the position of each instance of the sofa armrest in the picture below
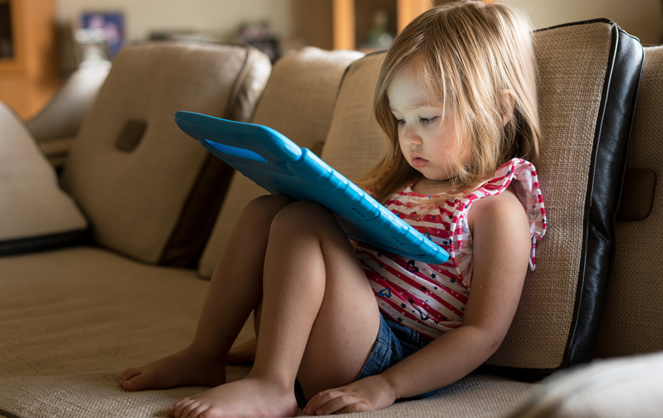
(55, 126)
(36, 213)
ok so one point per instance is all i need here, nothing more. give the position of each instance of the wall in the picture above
(643, 18)
(220, 18)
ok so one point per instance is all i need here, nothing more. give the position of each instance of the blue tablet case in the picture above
(280, 166)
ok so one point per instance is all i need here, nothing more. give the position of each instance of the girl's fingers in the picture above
(334, 405)
(317, 402)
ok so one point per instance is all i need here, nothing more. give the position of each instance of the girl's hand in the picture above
(368, 394)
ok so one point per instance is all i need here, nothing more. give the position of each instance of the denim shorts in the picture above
(393, 343)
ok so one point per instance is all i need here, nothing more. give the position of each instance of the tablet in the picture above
(280, 166)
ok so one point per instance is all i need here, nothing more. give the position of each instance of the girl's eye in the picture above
(427, 121)
(400, 122)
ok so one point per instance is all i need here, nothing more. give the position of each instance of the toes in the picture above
(136, 382)
(195, 411)
(129, 386)
(127, 375)
(185, 408)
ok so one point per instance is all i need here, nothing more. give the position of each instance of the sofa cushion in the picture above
(298, 102)
(73, 319)
(589, 75)
(36, 213)
(64, 346)
(634, 314)
(149, 190)
(625, 387)
(62, 116)
(56, 125)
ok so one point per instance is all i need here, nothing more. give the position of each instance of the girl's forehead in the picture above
(407, 90)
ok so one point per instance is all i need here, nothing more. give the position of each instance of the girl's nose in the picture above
(412, 136)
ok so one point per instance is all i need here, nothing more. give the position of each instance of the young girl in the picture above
(343, 329)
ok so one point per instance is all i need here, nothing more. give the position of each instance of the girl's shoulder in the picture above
(504, 207)
(512, 196)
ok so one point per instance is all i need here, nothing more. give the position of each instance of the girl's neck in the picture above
(426, 186)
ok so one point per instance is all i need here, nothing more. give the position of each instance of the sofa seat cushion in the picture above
(589, 74)
(35, 213)
(149, 190)
(73, 319)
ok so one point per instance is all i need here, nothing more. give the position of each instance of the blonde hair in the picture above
(469, 52)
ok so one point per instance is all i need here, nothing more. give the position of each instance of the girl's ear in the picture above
(508, 99)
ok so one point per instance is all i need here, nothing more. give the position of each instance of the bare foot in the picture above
(244, 353)
(248, 397)
(183, 368)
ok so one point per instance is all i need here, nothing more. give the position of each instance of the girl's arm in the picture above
(502, 244)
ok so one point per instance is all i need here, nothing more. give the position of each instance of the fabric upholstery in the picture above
(64, 113)
(145, 203)
(35, 214)
(297, 102)
(64, 347)
(355, 141)
(634, 317)
(582, 164)
(575, 61)
(638, 194)
(610, 388)
(56, 125)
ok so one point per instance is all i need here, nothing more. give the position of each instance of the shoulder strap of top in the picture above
(520, 174)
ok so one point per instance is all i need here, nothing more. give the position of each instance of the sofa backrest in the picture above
(634, 314)
(297, 102)
(149, 190)
(589, 76)
(56, 125)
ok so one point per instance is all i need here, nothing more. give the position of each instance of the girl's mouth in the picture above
(418, 162)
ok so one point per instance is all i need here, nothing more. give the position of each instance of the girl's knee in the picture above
(260, 212)
(300, 215)
(269, 201)
(268, 204)
(303, 211)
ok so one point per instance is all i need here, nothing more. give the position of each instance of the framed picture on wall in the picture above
(104, 27)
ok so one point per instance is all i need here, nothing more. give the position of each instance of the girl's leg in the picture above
(318, 312)
(235, 289)
(244, 353)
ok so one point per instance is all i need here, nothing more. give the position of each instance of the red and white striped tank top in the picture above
(431, 299)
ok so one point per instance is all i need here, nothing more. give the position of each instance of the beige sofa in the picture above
(105, 267)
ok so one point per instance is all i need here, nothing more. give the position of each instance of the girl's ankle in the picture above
(204, 354)
(280, 383)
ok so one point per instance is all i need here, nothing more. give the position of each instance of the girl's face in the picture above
(426, 132)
